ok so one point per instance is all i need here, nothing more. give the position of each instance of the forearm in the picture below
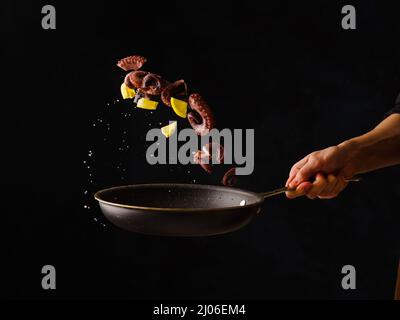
(376, 149)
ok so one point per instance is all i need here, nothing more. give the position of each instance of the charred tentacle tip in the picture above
(230, 178)
(201, 117)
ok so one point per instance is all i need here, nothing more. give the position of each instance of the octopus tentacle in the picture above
(128, 82)
(230, 178)
(136, 78)
(131, 63)
(177, 89)
(152, 84)
(203, 160)
(201, 117)
(211, 153)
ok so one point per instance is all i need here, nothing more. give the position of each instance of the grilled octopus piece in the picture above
(177, 89)
(152, 84)
(200, 118)
(230, 179)
(211, 153)
(135, 79)
(128, 82)
(131, 63)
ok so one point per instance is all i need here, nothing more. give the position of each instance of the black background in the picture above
(288, 70)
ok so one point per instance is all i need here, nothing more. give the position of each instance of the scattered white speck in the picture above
(243, 203)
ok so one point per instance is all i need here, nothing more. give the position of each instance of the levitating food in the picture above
(148, 89)
(179, 106)
(152, 84)
(128, 82)
(211, 153)
(200, 118)
(131, 63)
(136, 78)
(169, 130)
(177, 89)
(203, 160)
(126, 92)
(230, 179)
(145, 103)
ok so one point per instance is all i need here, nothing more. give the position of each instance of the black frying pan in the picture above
(181, 209)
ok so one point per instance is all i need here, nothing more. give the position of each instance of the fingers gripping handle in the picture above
(284, 189)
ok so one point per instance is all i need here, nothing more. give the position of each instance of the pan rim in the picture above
(185, 210)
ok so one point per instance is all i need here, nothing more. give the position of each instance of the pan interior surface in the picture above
(178, 196)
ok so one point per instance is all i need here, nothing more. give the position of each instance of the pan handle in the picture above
(284, 189)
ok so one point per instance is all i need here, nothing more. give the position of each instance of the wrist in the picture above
(352, 151)
(350, 148)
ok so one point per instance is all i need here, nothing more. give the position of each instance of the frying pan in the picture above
(181, 209)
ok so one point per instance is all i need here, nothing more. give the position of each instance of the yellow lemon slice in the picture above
(169, 129)
(179, 106)
(127, 93)
(147, 104)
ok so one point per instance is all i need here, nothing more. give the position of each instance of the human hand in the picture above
(322, 173)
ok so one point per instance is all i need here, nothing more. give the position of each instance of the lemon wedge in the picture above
(169, 129)
(127, 93)
(147, 104)
(179, 106)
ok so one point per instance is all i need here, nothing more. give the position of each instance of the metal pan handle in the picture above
(284, 189)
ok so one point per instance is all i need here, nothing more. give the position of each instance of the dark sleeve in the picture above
(396, 108)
